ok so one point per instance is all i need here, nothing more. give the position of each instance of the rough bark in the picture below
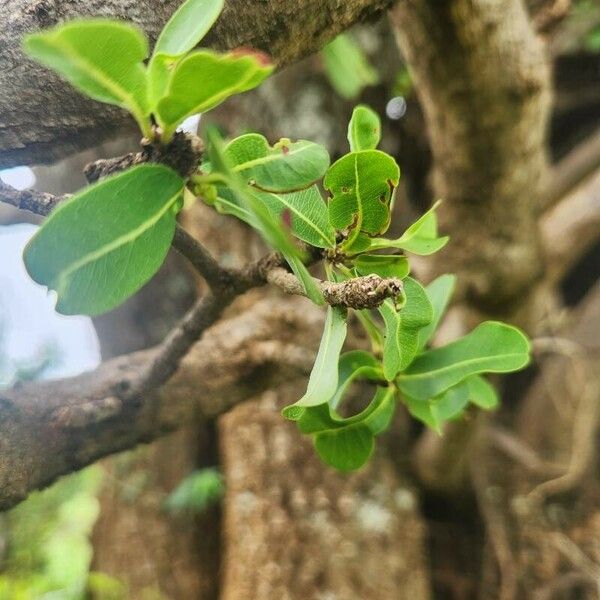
(295, 529)
(44, 119)
(483, 81)
(52, 428)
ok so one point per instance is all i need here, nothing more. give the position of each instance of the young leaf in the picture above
(491, 347)
(323, 381)
(188, 25)
(347, 66)
(385, 265)
(364, 129)
(451, 403)
(285, 167)
(184, 30)
(361, 186)
(420, 238)
(482, 393)
(439, 292)
(203, 79)
(262, 219)
(305, 213)
(101, 58)
(100, 247)
(402, 328)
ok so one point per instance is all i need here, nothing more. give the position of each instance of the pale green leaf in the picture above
(305, 213)
(384, 265)
(101, 58)
(421, 410)
(184, 30)
(482, 393)
(204, 79)
(286, 166)
(347, 67)
(420, 238)
(439, 291)
(323, 381)
(188, 25)
(353, 365)
(361, 185)
(101, 246)
(364, 129)
(491, 347)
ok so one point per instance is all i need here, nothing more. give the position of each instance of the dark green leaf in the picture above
(491, 347)
(101, 58)
(101, 246)
(286, 166)
(345, 449)
(364, 129)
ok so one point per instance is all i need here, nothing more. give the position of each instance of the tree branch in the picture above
(44, 119)
(51, 428)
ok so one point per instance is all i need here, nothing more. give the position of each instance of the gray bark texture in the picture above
(43, 119)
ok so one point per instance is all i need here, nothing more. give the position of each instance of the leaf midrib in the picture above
(122, 240)
(270, 158)
(127, 98)
(301, 215)
(455, 365)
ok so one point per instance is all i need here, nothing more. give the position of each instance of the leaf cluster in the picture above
(100, 247)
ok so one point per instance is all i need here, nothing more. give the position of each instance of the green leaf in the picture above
(101, 246)
(101, 58)
(421, 410)
(402, 328)
(188, 25)
(439, 292)
(364, 129)
(347, 67)
(345, 449)
(305, 213)
(323, 381)
(492, 347)
(353, 365)
(286, 166)
(184, 30)
(262, 219)
(346, 444)
(451, 403)
(420, 238)
(384, 265)
(204, 79)
(482, 393)
(361, 186)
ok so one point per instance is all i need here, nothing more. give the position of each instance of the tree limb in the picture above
(51, 428)
(43, 119)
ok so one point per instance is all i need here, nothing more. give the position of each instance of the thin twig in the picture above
(33, 201)
(200, 258)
